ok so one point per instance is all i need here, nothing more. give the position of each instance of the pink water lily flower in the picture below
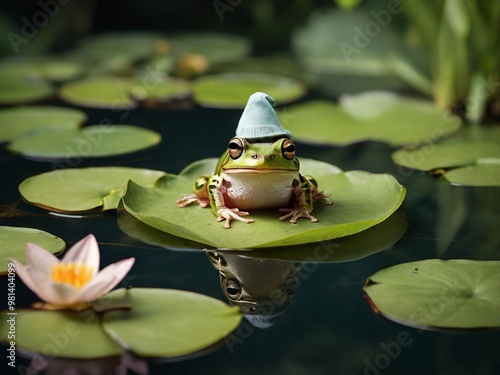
(74, 280)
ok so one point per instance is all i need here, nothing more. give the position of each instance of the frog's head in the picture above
(260, 156)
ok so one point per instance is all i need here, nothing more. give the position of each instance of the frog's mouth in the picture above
(258, 170)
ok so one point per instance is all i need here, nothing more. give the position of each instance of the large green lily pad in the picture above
(232, 90)
(168, 323)
(90, 142)
(15, 239)
(18, 121)
(67, 334)
(345, 249)
(433, 293)
(373, 116)
(79, 190)
(361, 200)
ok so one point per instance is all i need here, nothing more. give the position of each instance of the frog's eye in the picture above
(235, 148)
(288, 149)
(233, 289)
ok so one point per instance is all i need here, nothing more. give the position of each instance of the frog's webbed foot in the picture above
(295, 213)
(191, 198)
(229, 214)
(322, 197)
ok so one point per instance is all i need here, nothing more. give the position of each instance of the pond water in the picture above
(328, 326)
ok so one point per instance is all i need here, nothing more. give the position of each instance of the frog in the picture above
(258, 170)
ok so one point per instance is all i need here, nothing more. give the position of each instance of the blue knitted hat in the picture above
(259, 119)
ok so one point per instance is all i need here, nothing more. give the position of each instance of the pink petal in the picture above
(44, 287)
(85, 251)
(106, 280)
(39, 258)
(23, 272)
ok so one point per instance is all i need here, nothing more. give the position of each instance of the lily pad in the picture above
(100, 92)
(374, 116)
(215, 47)
(90, 142)
(15, 91)
(231, 90)
(486, 172)
(79, 190)
(446, 155)
(361, 200)
(15, 239)
(60, 333)
(48, 69)
(168, 323)
(433, 293)
(134, 45)
(162, 90)
(21, 120)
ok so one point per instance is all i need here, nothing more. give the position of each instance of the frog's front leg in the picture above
(200, 194)
(306, 192)
(216, 191)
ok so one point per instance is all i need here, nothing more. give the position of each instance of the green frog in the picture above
(259, 170)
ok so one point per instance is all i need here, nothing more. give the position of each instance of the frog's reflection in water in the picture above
(262, 288)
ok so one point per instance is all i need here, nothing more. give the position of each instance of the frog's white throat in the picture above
(247, 189)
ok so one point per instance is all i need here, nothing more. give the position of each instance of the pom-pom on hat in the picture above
(259, 119)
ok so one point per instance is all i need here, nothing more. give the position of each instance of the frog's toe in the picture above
(229, 214)
(322, 197)
(296, 213)
(191, 198)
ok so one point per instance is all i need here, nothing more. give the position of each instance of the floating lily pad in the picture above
(48, 69)
(168, 323)
(60, 334)
(215, 47)
(17, 121)
(15, 91)
(375, 116)
(162, 90)
(361, 200)
(79, 190)
(90, 142)
(15, 239)
(134, 45)
(486, 172)
(100, 92)
(433, 293)
(446, 155)
(231, 90)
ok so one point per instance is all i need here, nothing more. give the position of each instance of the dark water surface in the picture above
(328, 328)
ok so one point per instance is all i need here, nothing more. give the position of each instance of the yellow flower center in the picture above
(74, 274)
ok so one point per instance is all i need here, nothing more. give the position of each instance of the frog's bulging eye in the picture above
(233, 289)
(288, 149)
(235, 148)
